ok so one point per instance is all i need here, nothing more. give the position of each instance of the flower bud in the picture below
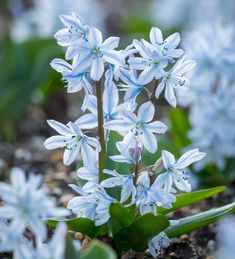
(135, 153)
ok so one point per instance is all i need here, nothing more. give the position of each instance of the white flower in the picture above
(74, 32)
(27, 205)
(125, 181)
(139, 126)
(75, 81)
(156, 243)
(73, 140)
(132, 87)
(94, 53)
(110, 101)
(175, 79)
(94, 205)
(149, 197)
(151, 62)
(129, 152)
(168, 46)
(175, 170)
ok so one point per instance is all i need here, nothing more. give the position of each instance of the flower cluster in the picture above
(151, 67)
(212, 96)
(25, 207)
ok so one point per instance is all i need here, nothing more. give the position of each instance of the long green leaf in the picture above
(120, 217)
(98, 250)
(186, 199)
(197, 221)
(137, 234)
(83, 225)
(179, 126)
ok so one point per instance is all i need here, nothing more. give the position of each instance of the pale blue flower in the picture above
(149, 197)
(168, 46)
(132, 85)
(129, 152)
(111, 108)
(152, 62)
(93, 205)
(75, 81)
(175, 171)
(125, 181)
(27, 205)
(139, 126)
(73, 140)
(74, 32)
(93, 53)
(175, 79)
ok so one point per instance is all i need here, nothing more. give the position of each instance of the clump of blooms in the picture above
(211, 98)
(96, 67)
(22, 227)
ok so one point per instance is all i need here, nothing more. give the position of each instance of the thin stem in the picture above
(152, 98)
(156, 168)
(100, 130)
(136, 172)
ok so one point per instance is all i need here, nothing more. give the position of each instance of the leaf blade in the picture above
(186, 199)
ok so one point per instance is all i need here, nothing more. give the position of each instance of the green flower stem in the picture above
(102, 153)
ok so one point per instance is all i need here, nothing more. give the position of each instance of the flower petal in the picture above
(97, 68)
(188, 158)
(168, 159)
(148, 140)
(146, 112)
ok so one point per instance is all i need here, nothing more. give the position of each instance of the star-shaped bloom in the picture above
(75, 32)
(149, 197)
(132, 87)
(94, 53)
(152, 62)
(168, 46)
(175, 79)
(125, 181)
(94, 205)
(75, 81)
(175, 171)
(139, 126)
(73, 140)
(27, 205)
(130, 153)
(111, 108)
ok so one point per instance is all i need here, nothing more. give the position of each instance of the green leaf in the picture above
(98, 250)
(120, 217)
(179, 126)
(186, 199)
(83, 225)
(137, 234)
(200, 220)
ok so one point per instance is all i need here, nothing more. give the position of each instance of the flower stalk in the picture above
(100, 130)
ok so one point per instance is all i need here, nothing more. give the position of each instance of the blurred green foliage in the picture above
(25, 68)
